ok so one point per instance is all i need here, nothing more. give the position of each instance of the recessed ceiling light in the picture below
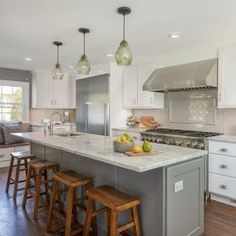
(109, 55)
(71, 67)
(28, 59)
(175, 35)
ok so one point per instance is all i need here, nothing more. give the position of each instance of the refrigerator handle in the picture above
(86, 116)
(105, 117)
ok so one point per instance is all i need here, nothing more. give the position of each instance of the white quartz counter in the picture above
(223, 138)
(100, 148)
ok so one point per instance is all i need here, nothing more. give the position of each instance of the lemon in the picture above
(123, 138)
(137, 149)
(118, 139)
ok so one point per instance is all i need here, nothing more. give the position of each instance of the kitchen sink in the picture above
(68, 134)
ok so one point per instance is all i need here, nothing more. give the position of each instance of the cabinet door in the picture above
(64, 93)
(227, 78)
(42, 90)
(148, 99)
(130, 95)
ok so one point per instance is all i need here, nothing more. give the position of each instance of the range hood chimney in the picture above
(191, 76)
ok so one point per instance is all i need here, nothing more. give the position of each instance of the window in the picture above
(14, 101)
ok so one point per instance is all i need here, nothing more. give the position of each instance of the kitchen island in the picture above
(169, 184)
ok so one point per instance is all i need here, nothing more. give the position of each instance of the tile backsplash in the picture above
(37, 115)
(183, 117)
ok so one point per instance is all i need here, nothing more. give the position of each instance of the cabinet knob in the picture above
(223, 149)
(224, 186)
(223, 166)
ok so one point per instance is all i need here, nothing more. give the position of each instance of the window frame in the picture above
(26, 96)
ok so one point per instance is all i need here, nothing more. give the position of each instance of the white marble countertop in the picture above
(100, 148)
(223, 138)
(130, 129)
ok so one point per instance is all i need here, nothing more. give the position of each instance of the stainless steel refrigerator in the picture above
(92, 107)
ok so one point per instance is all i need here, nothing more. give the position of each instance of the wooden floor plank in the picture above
(220, 219)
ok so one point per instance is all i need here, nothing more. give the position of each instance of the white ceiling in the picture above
(28, 28)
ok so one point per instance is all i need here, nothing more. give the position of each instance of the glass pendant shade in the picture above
(124, 55)
(57, 72)
(83, 66)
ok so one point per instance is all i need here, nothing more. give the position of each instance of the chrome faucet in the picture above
(51, 121)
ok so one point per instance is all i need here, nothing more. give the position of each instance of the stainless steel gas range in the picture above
(184, 138)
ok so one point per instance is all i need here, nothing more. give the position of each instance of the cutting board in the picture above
(133, 154)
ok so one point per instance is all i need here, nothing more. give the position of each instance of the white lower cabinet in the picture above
(222, 185)
(222, 171)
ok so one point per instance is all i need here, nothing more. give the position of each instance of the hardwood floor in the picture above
(220, 219)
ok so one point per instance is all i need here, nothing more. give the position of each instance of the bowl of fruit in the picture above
(123, 143)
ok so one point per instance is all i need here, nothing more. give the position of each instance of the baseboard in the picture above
(225, 200)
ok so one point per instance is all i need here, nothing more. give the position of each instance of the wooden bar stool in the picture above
(22, 159)
(38, 170)
(71, 180)
(114, 201)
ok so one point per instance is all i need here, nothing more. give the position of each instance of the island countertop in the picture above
(100, 148)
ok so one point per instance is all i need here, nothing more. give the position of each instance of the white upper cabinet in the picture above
(133, 95)
(227, 78)
(130, 87)
(49, 93)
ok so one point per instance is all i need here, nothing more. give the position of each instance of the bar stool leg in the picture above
(9, 174)
(69, 209)
(37, 194)
(16, 179)
(55, 190)
(89, 216)
(108, 222)
(26, 167)
(113, 222)
(27, 186)
(46, 186)
(136, 221)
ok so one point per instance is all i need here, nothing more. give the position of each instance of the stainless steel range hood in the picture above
(196, 75)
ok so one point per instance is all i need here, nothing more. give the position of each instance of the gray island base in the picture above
(172, 195)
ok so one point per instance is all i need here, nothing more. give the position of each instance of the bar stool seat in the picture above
(71, 180)
(22, 159)
(114, 201)
(38, 170)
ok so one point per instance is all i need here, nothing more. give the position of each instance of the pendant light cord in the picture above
(57, 54)
(84, 43)
(123, 26)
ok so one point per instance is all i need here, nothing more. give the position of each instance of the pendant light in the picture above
(57, 72)
(124, 55)
(83, 66)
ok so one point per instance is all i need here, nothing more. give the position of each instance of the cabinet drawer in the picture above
(221, 148)
(225, 186)
(6, 150)
(25, 148)
(222, 165)
(4, 157)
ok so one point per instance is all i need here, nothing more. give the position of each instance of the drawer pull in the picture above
(224, 186)
(2, 155)
(223, 166)
(223, 149)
